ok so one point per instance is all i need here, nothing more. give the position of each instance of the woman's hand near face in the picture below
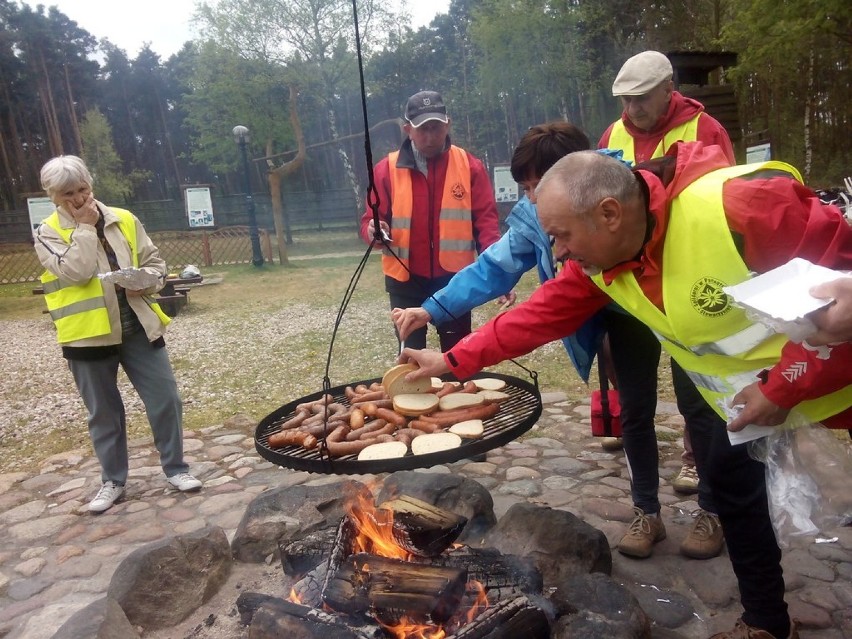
(85, 214)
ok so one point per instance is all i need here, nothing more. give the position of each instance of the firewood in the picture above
(275, 617)
(302, 555)
(503, 576)
(421, 528)
(511, 619)
(392, 588)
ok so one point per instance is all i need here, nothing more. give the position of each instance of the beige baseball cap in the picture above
(641, 73)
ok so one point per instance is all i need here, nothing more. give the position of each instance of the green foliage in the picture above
(227, 90)
(111, 185)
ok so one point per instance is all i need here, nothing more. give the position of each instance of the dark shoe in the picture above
(705, 539)
(643, 533)
(742, 630)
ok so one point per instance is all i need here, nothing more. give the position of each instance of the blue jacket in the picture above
(499, 268)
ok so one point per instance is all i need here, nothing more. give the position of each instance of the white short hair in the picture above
(64, 172)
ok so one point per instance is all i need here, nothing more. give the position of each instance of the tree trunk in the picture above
(808, 107)
(276, 175)
(50, 119)
(72, 113)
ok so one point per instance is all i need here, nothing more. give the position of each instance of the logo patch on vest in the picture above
(708, 298)
(458, 191)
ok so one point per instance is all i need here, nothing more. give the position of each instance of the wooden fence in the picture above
(203, 248)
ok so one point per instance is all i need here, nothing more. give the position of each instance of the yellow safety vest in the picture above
(79, 310)
(455, 225)
(620, 138)
(713, 341)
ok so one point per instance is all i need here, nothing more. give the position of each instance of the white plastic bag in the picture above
(808, 470)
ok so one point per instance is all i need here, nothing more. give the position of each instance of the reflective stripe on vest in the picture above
(79, 310)
(456, 248)
(713, 341)
(620, 138)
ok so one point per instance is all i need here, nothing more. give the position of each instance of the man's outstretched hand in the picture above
(431, 363)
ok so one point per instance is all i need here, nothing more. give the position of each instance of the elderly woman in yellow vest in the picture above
(102, 325)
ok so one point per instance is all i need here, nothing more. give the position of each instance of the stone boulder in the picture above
(595, 605)
(161, 583)
(101, 619)
(560, 544)
(284, 514)
(456, 494)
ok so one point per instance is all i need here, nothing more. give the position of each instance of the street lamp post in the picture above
(241, 136)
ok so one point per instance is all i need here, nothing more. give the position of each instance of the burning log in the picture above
(421, 528)
(511, 619)
(502, 576)
(392, 588)
(302, 555)
(273, 617)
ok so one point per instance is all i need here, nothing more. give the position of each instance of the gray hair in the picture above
(587, 177)
(64, 172)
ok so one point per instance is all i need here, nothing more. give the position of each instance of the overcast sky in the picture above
(165, 24)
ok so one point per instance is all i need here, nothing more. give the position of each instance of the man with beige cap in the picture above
(655, 117)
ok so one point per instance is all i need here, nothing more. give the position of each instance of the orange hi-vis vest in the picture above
(620, 138)
(455, 226)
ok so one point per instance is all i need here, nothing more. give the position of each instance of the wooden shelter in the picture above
(698, 75)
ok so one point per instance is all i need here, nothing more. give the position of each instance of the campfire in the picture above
(395, 571)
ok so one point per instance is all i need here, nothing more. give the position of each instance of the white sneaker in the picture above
(109, 493)
(184, 482)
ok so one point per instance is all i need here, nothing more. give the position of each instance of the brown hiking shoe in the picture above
(611, 443)
(742, 630)
(705, 539)
(686, 481)
(643, 533)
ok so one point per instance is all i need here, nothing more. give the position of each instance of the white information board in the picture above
(39, 209)
(199, 206)
(759, 153)
(505, 187)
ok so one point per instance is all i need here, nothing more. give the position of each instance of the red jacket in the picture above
(681, 109)
(427, 192)
(773, 218)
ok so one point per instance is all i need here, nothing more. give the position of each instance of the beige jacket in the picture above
(84, 258)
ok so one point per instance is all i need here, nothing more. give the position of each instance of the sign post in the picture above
(199, 206)
(505, 187)
(39, 209)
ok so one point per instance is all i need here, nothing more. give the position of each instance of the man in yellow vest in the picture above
(662, 241)
(655, 116)
(102, 325)
(436, 204)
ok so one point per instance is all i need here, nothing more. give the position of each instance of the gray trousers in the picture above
(150, 372)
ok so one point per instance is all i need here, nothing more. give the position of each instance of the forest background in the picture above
(288, 70)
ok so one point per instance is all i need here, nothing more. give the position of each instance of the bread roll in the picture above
(493, 396)
(470, 429)
(394, 381)
(435, 442)
(490, 383)
(383, 450)
(460, 400)
(415, 404)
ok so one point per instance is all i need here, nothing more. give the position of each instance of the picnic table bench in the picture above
(172, 297)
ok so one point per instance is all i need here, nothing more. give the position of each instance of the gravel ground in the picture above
(225, 363)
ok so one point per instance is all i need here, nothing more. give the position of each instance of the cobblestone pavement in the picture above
(55, 557)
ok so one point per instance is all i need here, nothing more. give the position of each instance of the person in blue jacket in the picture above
(499, 268)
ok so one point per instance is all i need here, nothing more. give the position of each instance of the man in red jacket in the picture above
(437, 205)
(641, 240)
